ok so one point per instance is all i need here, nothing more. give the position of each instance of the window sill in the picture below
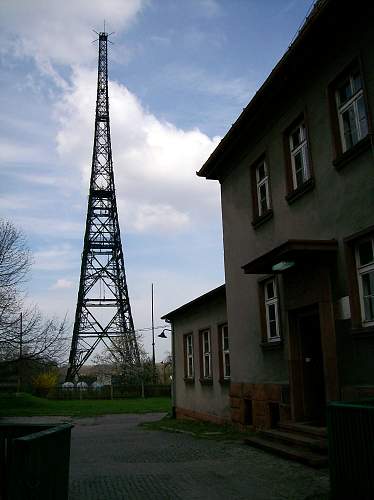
(364, 331)
(300, 191)
(261, 219)
(352, 153)
(271, 345)
(188, 380)
(206, 381)
(224, 381)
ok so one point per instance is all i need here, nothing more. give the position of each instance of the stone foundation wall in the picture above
(184, 413)
(258, 404)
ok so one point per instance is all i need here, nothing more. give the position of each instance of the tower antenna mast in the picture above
(103, 314)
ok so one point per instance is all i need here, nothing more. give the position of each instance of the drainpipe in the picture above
(173, 381)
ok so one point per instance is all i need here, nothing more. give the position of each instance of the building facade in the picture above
(297, 191)
(201, 358)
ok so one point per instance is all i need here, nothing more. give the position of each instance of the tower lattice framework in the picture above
(103, 313)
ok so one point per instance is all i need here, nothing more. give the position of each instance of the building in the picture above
(201, 358)
(297, 188)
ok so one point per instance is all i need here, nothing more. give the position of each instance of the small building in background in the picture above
(201, 357)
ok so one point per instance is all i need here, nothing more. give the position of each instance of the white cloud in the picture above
(55, 258)
(49, 29)
(62, 283)
(154, 161)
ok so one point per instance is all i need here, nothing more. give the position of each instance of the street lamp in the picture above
(162, 335)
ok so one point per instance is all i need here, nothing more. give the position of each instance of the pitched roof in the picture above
(273, 84)
(220, 290)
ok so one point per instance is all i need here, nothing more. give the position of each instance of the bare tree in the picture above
(27, 334)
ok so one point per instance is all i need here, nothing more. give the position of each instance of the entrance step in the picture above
(306, 428)
(304, 456)
(315, 443)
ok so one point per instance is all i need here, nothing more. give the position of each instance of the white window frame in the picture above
(225, 352)
(351, 103)
(361, 271)
(259, 184)
(206, 353)
(190, 367)
(303, 147)
(269, 302)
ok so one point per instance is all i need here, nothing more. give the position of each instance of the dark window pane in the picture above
(344, 92)
(365, 251)
(350, 129)
(261, 171)
(270, 290)
(207, 366)
(357, 82)
(273, 329)
(296, 138)
(227, 365)
(271, 312)
(368, 284)
(362, 117)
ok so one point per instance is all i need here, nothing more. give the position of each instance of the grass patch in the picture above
(26, 405)
(198, 429)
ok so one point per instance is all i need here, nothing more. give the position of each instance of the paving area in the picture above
(113, 458)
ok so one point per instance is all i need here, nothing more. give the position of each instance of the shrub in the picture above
(44, 382)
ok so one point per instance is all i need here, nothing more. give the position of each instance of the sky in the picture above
(180, 72)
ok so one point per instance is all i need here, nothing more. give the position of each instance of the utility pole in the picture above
(20, 353)
(153, 344)
(103, 313)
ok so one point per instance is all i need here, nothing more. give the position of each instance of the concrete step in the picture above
(303, 428)
(318, 444)
(306, 457)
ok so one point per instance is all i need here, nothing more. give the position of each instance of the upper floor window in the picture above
(223, 339)
(271, 310)
(206, 353)
(189, 357)
(365, 275)
(262, 187)
(299, 154)
(351, 107)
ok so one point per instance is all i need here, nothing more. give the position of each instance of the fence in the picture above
(351, 450)
(112, 392)
(34, 461)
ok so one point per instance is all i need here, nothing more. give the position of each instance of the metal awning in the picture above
(290, 254)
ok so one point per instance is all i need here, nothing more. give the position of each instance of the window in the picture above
(299, 155)
(271, 310)
(206, 354)
(351, 108)
(365, 276)
(223, 339)
(262, 187)
(189, 359)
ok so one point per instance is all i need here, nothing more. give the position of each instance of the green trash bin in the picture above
(351, 449)
(34, 461)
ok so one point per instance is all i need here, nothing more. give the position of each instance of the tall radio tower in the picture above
(103, 312)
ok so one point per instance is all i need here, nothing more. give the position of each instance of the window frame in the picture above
(260, 214)
(341, 156)
(294, 190)
(224, 377)
(264, 302)
(189, 374)
(358, 326)
(205, 355)
(361, 270)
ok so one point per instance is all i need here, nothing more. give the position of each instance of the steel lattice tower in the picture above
(103, 311)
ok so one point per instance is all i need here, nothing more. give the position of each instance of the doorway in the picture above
(308, 375)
